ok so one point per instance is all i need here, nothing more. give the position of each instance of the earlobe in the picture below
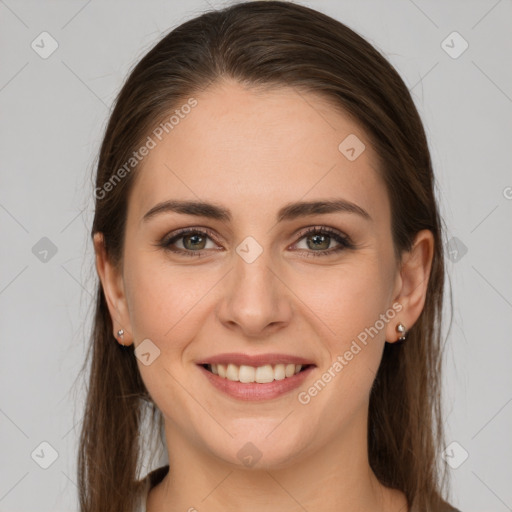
(413, 283)
(113, 288)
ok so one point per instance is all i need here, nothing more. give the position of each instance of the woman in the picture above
(294, 361)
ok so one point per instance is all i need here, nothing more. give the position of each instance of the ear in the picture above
(113, 288)
(412, 282)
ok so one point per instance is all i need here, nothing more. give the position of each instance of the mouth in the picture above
(257, 377)
(264, 374)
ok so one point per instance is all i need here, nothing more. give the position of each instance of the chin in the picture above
(260, 451)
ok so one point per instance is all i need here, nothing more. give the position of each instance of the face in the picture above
(266, 286)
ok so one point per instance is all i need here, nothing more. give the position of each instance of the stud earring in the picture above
(400, 329)
(120, 333)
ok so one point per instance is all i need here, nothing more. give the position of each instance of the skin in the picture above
(253, 152)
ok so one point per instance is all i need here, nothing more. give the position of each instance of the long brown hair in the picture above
(272, 44)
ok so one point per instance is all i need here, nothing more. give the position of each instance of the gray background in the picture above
(54, 111)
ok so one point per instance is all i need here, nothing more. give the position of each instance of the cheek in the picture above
(349, 299)
(163, 302)
(354, 305)
(162, 297)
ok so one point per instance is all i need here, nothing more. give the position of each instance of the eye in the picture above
(194, 241)
(319, 239)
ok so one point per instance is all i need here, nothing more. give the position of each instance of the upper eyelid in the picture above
(328, 229)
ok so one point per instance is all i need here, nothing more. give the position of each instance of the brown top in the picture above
(152, 479)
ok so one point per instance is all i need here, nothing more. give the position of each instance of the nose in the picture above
(255, 300)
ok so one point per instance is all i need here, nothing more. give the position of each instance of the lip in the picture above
(255, 359)
(254, 391)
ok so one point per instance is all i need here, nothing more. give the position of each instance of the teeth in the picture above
(261, 374)
(279, 372)
(264, 374)
(232, 372)
(246, 373)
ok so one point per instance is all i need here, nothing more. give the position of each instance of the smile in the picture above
(249, 374)
(255, 377)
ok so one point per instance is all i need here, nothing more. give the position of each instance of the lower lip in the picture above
(254, 390)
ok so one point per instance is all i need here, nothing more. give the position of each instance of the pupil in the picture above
(196, 236)
(325, 239)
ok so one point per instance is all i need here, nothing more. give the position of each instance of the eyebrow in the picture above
(288, 212)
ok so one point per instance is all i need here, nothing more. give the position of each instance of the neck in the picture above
(337, 477)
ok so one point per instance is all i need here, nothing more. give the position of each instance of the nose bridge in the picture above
(255, 298)
(253, 271)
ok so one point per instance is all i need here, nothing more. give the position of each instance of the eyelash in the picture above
(343, 240)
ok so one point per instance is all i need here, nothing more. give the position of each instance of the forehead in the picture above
(252, 148)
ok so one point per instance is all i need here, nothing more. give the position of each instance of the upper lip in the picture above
(255, 359)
